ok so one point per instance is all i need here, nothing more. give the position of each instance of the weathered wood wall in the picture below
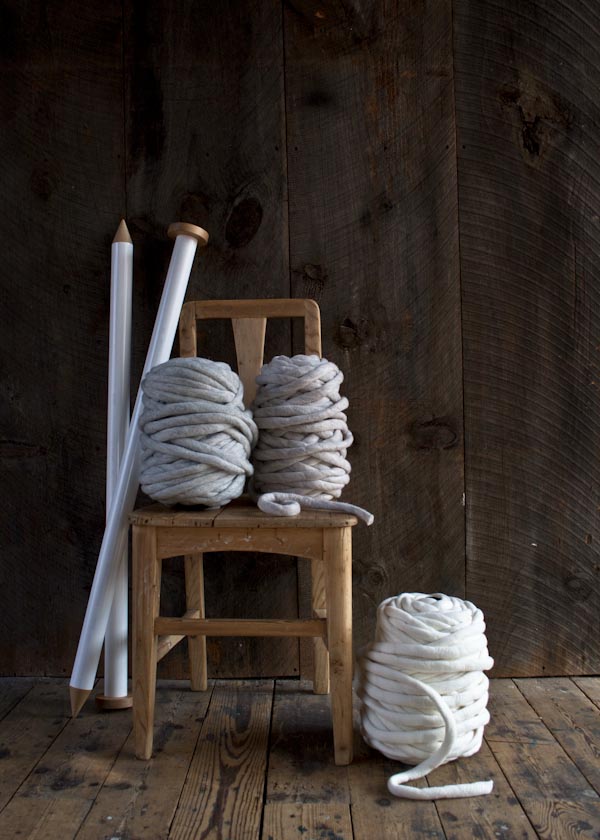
(528, 122)
(427, 172)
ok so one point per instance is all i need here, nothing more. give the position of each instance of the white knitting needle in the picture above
(187, 238)
(115, 694)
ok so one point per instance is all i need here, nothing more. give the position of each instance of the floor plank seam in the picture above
(268, 761)
(501, 768)
(350, 811)
(510, 786)
(192, 754)
(508, 782)
(16, 702)
(593, 700)
(438, 812)
(100, 787)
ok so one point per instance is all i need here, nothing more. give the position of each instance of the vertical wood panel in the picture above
(529, 190)
(206, 143)
(62, 190)
(374, 238)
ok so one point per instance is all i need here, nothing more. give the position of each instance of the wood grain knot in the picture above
(318, 98)
(578, 587)
(243, 222)
(371, 579)
(540, 113)
(313, 279)
(377, 209)
(438, 433)
(351, 334)
(19, 449)
(376, 578)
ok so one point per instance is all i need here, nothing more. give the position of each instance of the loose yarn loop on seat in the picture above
(300, 459)
(422, 688)
(196, 435)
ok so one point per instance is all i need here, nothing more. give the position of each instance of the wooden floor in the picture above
(253, 760)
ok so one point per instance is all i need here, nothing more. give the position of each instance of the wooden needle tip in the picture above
(78, 698)
(122, 234)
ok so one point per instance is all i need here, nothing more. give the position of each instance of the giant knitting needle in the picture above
(187, 237)
(115, 694)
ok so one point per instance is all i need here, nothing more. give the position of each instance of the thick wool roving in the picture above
(196, 435)
(422, 688)
(300, 459)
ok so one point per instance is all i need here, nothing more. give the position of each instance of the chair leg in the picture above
(337, 553)
(320, 652)
(146, 604)
(194, 593)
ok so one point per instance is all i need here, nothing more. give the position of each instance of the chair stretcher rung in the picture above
(167, 643)
(239, 627)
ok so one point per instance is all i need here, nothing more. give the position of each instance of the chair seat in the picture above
(241, 513)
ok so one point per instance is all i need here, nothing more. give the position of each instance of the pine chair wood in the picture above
(322, 536)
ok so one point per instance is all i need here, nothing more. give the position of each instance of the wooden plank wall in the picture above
(528, 118)
(427, 173)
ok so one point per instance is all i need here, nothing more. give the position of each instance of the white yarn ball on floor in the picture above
(196, 435)
(422, 687)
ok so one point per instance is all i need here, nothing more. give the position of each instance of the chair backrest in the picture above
(249, 322)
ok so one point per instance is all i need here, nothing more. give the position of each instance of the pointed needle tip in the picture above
(78, 698)
(122, 234)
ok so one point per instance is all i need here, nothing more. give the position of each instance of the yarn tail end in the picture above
(290, 504)
(445, 792)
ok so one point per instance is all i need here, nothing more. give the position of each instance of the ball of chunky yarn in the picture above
(303, 431)
(196, 435)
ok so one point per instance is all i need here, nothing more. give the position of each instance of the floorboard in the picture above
(554, 794)
(27, 732)
(57, 795)
(291, 821)
(497, 815)
(253, 760)
(301, 766)
(572, 718)
(139, 798)
(223, 793)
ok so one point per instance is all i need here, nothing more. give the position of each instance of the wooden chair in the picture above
(323, 537)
